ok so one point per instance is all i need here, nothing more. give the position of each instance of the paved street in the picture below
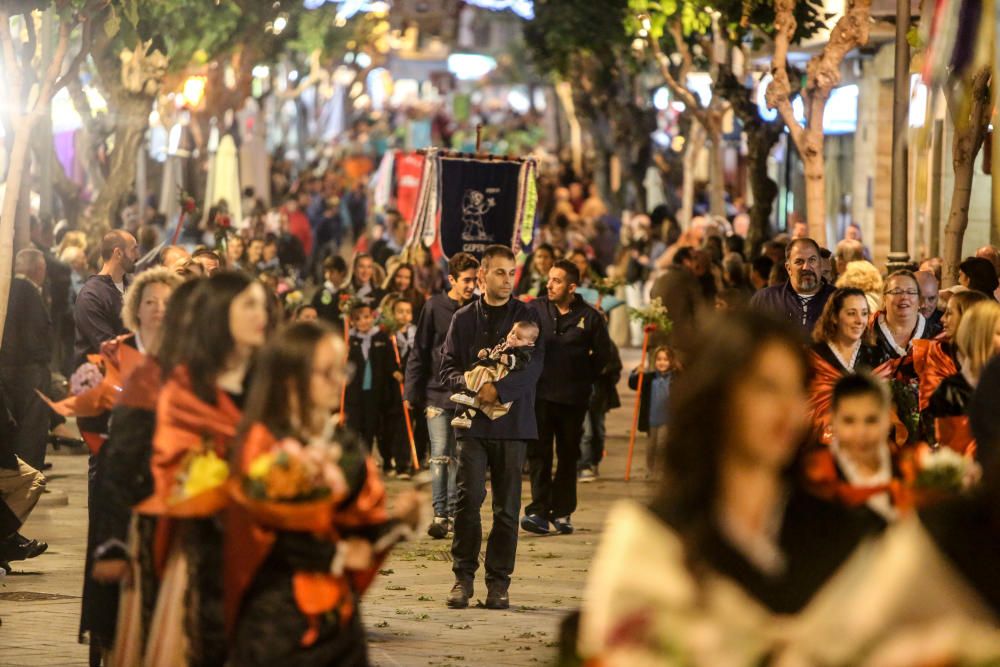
(404, 610)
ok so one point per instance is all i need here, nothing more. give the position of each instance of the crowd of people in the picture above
(244, 392)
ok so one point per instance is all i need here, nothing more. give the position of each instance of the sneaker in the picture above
(563, 526)
(405, 476)
(587, 475)
(463, 399)
(459, 596)
(439, 527)
(535, 524)
(461, 421)
(497, 597)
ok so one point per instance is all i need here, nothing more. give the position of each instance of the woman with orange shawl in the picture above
(842, 345)
(197, 414)
(311, 526)
(857, 469)
(976, 340)
(143, 309)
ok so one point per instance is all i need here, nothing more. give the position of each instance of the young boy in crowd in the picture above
(327, 299)
(371, 357)
(653, 404)
(513, 354)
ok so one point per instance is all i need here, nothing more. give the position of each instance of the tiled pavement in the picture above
(404, 610)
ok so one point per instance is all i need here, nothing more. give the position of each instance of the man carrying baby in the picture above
(497, 444)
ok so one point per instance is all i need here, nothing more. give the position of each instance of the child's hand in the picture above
(398, 376)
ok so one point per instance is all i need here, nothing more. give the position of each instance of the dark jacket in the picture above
(782, 302)
(424, 386)
(647, 384)
(327, 305)
(467, 335)
(27, 338)
(578, 351)
(682, 295)
(98, 315)
(383, 363)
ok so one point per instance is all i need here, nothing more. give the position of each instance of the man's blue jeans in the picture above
(444, 461)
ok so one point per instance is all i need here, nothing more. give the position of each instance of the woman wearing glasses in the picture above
(896, 327)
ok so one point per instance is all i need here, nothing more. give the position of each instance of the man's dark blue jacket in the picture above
(782, 302)
(423, 384)
(467, 335)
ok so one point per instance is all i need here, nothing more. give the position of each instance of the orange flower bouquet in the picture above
(293, 486)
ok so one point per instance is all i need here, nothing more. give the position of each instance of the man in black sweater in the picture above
(24, 358)
(499, 444)
(424, 388)
(579, 351)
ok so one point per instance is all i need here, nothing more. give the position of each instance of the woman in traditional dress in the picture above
(731, 544)
(897, 327)
(364, 283)
(143, 308)
(842, 344)
(299, 559)
(857, 469)
(197, 415)
(978, 340)
(123, 556)
(401, 281)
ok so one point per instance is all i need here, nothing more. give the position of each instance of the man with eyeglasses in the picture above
(801, 298)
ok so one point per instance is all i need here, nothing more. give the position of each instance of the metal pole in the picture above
(899, 255)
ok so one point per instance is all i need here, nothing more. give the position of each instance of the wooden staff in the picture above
(479, 137)
(638, 401)
(177, 232)
(343, 390)
(406, 410)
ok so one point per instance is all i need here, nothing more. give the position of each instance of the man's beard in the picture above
(808, 280)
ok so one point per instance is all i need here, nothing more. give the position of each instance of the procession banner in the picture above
(479, 203)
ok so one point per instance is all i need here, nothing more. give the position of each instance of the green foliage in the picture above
(566, 31)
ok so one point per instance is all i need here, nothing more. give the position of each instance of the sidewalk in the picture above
(404, 610)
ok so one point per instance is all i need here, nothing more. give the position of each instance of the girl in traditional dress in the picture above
(731, 543)
(978, 340)
(842, 344)
(197, 414)
(857, 469)
(364, 280)
(312, 526)
(143, 309)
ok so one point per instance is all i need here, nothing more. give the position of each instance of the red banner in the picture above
(408, 168)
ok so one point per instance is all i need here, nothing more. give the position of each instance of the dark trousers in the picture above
(504, 458)
(394, 442)
(554, 497)
(362, 417)
(29, 411)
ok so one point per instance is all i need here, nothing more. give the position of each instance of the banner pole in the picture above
(343, 390)
(406, 410)
(638, 402)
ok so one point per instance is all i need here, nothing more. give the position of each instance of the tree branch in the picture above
(690, 100)
(778, 94)
(12, 65)
(73, 71)
(47, 89)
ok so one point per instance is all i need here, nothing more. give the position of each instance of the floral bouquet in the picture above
(200, 486)
(605, 286)
(653, 317)
(348, 302)
(88, 376)
(943, 471)
(905, 395)
(290, 485)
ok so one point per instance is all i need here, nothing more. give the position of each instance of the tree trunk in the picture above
(695, 143)
(133, 112)
(716, 172)
(958, 216)
(22, 127)
(814, 167)
(760, 140)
